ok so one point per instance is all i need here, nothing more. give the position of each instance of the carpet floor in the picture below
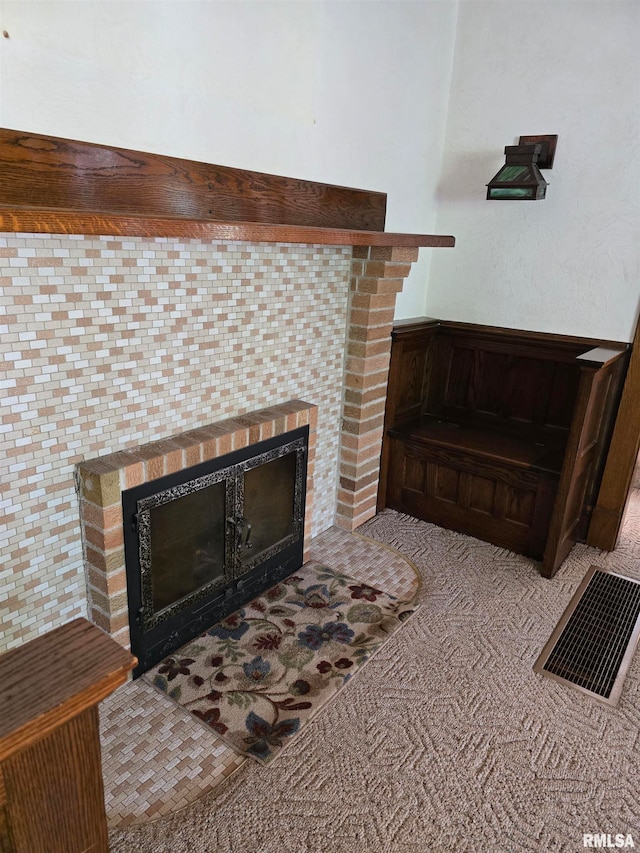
(447, 740)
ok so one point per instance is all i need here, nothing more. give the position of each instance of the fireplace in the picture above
(150, 296)
(128, 499)
(203, 541)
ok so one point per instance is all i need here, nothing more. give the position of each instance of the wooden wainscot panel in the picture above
(599, 372)
(501, 503)
(612, 497)
(408, 379)
(499, 433)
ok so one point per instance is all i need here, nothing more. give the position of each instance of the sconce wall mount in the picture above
(520, 178)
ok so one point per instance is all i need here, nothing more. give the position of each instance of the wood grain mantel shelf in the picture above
(51, 793)
(121, 225)
(63, 186)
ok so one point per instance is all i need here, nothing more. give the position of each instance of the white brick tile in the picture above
(82, 356)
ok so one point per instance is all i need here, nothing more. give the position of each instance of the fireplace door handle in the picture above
(244, 525)
(243, 532)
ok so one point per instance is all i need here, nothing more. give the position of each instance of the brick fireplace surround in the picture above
(195, 318)
(376, 277)
(103, 480)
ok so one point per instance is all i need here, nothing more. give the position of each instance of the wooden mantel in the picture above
(33, 220)
(62, 186)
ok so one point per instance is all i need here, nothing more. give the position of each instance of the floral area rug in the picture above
(263, 672)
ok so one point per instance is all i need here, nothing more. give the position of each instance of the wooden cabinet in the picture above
(51, 792)
(499, 433)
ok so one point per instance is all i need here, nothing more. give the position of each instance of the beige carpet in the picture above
(447, 740)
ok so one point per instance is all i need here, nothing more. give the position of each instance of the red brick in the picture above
(98, 580)
(355, 485)
(108, 604)
(224, 444)
(100, 619)
(104, 540)
(370, 333)
(100, 484)
(360, 443)
(369, 349)
(209, 440)
(107, 584)
(369, 317)
(378, 286)
(122, 637)
(365, 463)
(248, 424)
(101, 517)
(266, 430)
(363, 427)
(342, 520)
(364, 412)
(373, 301)
(174, 460)
(154, 468)
(363, 398)
(403, 254)
(193, 454)
(119, 621)
(372, 424)
(360, 500)
(107, 563)
(280, 425)
(365, 366)
(240, 438)
(385, 269)
(365, 515)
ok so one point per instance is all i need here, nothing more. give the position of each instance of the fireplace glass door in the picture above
(187, 547)
(201, 543)
(269, 492)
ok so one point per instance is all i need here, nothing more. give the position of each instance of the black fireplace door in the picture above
(202, 542)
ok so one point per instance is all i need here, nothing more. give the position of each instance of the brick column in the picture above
(377, 275)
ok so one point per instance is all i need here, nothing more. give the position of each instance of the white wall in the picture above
(569, 263)
(346, 92)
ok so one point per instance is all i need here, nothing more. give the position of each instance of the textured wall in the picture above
(569, 263)
(108, 343)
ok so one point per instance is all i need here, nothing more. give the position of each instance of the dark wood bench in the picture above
(499, 433)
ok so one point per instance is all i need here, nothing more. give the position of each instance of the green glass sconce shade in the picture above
(520, 178)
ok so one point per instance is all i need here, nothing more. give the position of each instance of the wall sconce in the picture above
(520, 177)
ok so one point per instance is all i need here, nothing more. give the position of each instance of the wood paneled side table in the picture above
(51, 791)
